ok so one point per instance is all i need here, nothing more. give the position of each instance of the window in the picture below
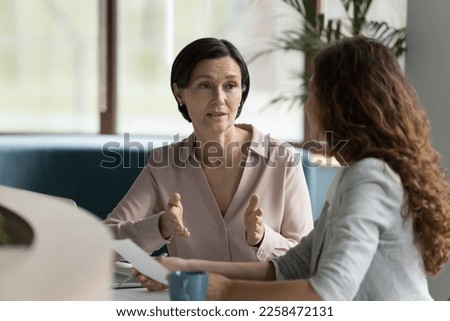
(48, 66)
(151, 33)
(49, 63)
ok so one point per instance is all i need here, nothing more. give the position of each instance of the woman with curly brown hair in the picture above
(386, 221)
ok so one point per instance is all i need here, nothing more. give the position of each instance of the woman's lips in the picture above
(216, 114)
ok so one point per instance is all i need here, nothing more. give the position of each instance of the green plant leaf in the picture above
(315, 32)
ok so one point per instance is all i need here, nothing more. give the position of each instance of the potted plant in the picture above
(317, 31)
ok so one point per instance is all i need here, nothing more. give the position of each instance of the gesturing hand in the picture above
(254, 224)
(171, 221)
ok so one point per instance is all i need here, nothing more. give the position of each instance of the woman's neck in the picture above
(210, 146)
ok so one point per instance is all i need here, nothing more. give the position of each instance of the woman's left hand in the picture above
(254, 224)
(217, 286)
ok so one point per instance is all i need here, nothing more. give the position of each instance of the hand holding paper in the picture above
(143, 262)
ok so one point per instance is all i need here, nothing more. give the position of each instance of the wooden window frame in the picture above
(108, 66)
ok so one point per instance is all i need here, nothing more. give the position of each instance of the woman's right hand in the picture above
(149, 283)
(171, 221)
(171, 263)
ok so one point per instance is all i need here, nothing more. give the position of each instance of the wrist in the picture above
(255, 243)
(259, 243)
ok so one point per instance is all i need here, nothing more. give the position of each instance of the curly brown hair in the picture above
(367, 100)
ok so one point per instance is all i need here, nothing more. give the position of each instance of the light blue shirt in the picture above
(361, 248)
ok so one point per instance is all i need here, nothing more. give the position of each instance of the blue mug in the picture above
(188, 286)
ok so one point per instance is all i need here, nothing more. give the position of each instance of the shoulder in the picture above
(373, 169)
(371, 172)
(370, 189)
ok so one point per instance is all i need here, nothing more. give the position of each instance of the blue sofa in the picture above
(97, 170)
(93, 170)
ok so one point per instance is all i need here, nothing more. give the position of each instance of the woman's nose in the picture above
(218, 95)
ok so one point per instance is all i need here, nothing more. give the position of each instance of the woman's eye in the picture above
(231, 85)
(204, 86)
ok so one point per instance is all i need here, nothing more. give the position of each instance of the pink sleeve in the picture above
(137, 215)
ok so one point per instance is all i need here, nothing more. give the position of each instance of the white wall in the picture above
(428, 68)
(428, 65)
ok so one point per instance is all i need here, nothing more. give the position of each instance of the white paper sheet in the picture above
(143, 262)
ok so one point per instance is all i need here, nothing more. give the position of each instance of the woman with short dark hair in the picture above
(227, 192)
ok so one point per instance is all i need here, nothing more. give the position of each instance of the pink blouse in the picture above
(272, 171)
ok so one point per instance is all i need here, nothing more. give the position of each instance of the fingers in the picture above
(153, 286)
(150, 284)
(255, 218)
(172, 220)
(177, 223)
(253, 214)
(253, 221)
(255, 231)
(182, 231)
(175, 200)
(252, 205)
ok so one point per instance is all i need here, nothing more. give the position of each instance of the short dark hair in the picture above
(206, 48)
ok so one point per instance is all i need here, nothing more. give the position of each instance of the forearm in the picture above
(292, 290)
(263, 271)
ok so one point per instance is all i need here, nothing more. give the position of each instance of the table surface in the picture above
(140, 294)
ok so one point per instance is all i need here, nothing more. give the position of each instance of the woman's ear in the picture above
(178, 93)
